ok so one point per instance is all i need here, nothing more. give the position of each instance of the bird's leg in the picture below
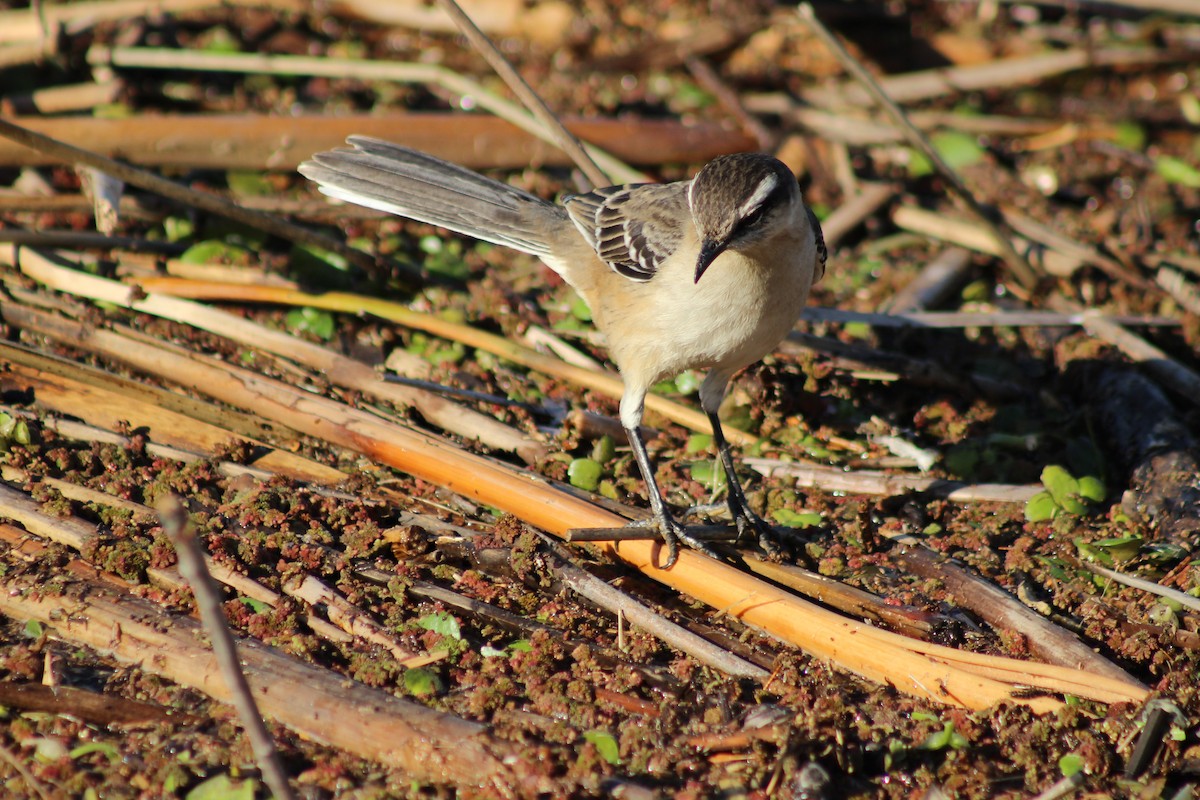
(672, 532)
(743, 516)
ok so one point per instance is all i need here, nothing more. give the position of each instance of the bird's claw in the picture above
(672, 534)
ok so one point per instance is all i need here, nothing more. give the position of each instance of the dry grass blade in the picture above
(937, 673)
(604, 382)
(339, 369)
(624, 606)
(928, 84)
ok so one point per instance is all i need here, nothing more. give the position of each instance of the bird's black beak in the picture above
(709, 250)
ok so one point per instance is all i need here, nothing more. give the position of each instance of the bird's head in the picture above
(740, 200)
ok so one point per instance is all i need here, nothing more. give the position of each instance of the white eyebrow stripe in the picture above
(759, 196)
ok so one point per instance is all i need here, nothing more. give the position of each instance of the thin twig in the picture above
(1174, 595)
(190, 197)
(1062, 787)
(563, 137)
(636, 613)
(208, 601)
(1180, 7)
(27, 776)
(1174, 284)
(728, 97)
(1183, 381)
(852, 213)
(835, 479)
(1020, 268)
(939, 277)
(978, 319)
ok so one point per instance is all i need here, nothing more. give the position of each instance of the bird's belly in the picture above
(731, 318)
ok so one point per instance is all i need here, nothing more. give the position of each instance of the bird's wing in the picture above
(822, 253)
(633, 228)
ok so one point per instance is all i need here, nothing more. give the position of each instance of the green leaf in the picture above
(796, 519)
(1070, 764)
(958, 149)
(699, 442)
(604, 449)
(257, 606)
(605, 744)
(584, 473)
(248, 183)
(316, 321)
(222, 787)
(1073, 505)
(947, 737)
(109, 750)
(34, 629)
(1092, 488)
(1121, 548)
(919, 164)
(1177, 171)
(320, 267)
(1088, 551)
(212, 251)
(520, 646)
(420, 682)
(219, 40)
(1059, 483)
(1130, 135)
(178, 228)
(580, 310)
(442, 623)
(710, 474)
(1040, 507)
(444, 257)
(688, 382)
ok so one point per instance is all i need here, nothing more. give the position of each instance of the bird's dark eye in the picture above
(752, 219)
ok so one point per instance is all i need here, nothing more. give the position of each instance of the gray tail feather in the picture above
(412, 184)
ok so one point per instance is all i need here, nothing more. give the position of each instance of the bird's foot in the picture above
(672, 533)
(748, 523)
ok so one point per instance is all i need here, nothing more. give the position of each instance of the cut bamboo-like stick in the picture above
(974, 236)
(926, 84)
(257, 142)
(107, 409)
(44, 19)
(930, 671)
(321, 705)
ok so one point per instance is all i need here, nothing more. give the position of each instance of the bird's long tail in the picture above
(412, 184)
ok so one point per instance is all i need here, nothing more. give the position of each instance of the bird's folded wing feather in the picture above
(632, 228)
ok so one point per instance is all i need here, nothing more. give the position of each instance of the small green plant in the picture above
(585, 473)
(1064, 494)
(606, 745)
(946, 739)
